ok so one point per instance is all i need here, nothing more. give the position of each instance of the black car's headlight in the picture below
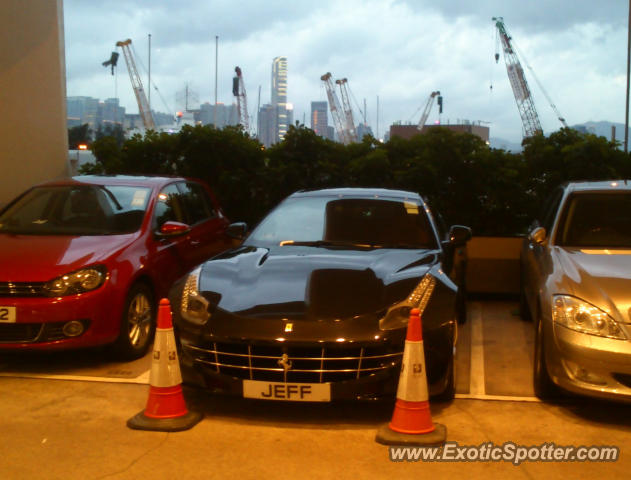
(194, 307)
(578, 315)
(398, 315)
(79, 281)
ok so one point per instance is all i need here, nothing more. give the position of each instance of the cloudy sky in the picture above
(396, 50)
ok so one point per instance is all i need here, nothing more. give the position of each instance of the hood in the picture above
(311, 283)
(601, 277)
(35, 258)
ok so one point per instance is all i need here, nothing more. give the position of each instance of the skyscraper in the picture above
(319, 118)
(279, 96)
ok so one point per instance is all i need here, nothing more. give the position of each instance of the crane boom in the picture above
(349, 124)
(428, 108)
(136, 83)
(334, 106)
(238, 90)
(525, 103)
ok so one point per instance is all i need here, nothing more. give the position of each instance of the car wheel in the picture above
(544, 387)
(138, 323)
(449, 392)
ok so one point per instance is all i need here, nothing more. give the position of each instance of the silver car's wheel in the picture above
(137, 323)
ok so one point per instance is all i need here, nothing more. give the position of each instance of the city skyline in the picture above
(393, 50)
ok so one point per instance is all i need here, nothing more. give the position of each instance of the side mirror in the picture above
(459, 235)
(538, 235)
(173, 229)
(237, 230)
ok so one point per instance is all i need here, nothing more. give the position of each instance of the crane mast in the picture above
(428, 108)
(525, 103)
(349, 124)
(136, 83)
(238, 90)
(334, 106)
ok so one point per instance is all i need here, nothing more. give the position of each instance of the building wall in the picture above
(319, 118)
(33, 130)
(279, 97)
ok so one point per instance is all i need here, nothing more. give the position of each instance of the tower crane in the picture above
(349, 124)
(525, 103)
(428, 108)
(334, 106)
(238, 90)
(136, 83)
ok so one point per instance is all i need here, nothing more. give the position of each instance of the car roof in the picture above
(598, 186)
(359, 193)
(129, 180)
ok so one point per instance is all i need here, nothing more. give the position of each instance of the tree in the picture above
(80, 135)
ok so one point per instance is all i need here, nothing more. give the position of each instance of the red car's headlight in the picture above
(79, 281)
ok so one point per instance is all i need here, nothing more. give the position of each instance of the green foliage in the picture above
(81, 134)
(493, 191)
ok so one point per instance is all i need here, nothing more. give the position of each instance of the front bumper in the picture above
(40, 320)
(590, 365)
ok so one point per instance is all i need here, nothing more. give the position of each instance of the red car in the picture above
(83, 261)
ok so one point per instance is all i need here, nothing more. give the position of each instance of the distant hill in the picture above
(603, 129)
(505, 145)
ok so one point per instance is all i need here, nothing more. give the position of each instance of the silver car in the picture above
(576, 286)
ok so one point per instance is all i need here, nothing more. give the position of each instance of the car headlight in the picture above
(584, 317)
(398, 315)
(79, 281)
(194, 307)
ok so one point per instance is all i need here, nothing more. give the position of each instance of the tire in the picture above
(138, 323)
(449, 393)
(544, 387)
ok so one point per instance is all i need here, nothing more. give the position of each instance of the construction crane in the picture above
(349, 124)
(336, 111)
(238, 90)
(136, 83)
(428, 108)
(525, 103)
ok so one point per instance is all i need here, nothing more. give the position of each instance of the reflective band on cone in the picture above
(411, 422)
(166, 409)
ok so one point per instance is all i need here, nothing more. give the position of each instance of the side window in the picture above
(197, 205)
(169, 206)
(550, 210)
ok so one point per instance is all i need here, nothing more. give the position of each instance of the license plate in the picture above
(7, 315)
(294, 392)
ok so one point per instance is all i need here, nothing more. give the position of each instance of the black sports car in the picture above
(313, 305)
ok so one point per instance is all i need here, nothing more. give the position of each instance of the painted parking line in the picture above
(499, 398)
(476, 377)
(142, 379)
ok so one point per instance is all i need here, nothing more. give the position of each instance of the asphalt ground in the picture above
(58, 421)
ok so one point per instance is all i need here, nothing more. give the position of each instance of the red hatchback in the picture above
(84, 260)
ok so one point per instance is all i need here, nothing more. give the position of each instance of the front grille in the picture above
(22, 289)
(327, 363)
(19, 332)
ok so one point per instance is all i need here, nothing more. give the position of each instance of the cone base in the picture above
(141, 422)
(387, 436)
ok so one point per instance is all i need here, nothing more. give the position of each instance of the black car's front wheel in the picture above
(138, 323)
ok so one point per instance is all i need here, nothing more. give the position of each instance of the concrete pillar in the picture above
(33, 133)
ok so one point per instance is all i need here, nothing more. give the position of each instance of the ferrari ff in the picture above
(314, 304)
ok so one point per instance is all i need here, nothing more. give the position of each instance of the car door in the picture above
(208, 226)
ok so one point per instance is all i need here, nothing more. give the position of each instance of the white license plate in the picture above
(295, 392)
(7, 315)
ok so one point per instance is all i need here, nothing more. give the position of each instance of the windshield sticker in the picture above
(140, 196)
(40, 222)
(605, 251)
(411, 208)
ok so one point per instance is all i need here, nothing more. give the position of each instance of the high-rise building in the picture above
(279, 96)
(267, 125)
(319, 118)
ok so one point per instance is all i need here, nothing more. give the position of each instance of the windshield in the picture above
(596, 220)
(346, 221)
(76, 210)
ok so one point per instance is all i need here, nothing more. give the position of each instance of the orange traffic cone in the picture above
(411, 421)
(166, 409)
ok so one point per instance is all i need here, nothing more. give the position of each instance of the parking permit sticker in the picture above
(140, 196)
(412, 208)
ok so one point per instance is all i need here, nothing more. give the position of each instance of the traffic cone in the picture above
(166, 409)
(411, 422)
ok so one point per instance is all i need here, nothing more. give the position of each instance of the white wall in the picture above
(33, 134)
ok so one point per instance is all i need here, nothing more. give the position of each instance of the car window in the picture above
(599, 220)
(196, 204)
(168, 207)
(379, 222)
(77, 210)
(549, 211)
